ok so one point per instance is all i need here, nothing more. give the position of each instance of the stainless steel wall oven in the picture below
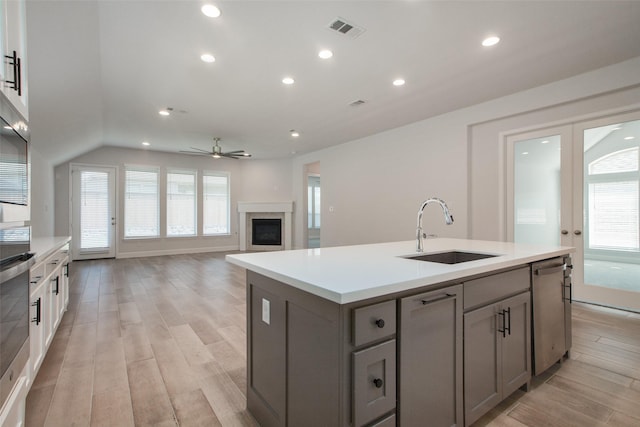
(15, 262)
(14, 164)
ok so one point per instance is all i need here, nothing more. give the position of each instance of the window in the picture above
(181, 203)
(613, 201)
(215, 204)
(141, 204)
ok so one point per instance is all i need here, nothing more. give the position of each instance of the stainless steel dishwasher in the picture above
(551, 305)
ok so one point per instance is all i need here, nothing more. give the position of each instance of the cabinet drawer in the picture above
(36, 275)
(374, 382)
(497, 286)
(53, 261)
(374, 322)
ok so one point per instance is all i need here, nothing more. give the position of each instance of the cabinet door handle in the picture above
(35, 280)
(378, 383)
(57, 280)
(508, 328)
(550, 270)
(504, 323)
(380, 323)
(37, 305)
(439, 298)
(66, 270)
(15, 62)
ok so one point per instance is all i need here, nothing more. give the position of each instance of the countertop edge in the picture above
(42, 247)
(470, 269)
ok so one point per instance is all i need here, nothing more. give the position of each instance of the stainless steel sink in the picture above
(452, 257)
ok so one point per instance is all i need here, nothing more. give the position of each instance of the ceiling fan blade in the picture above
(229, 156)
(200, 149)
(195, 153)
(235, 152)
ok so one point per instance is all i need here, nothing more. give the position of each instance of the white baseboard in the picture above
(141, 254)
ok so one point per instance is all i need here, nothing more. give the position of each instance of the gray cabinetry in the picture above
(430, 358)
(497, 352)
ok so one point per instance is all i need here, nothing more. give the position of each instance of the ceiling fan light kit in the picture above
(216, 152)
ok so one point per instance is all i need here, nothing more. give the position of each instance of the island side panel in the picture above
(299, 351)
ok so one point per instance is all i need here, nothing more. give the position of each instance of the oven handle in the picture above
(17, 269)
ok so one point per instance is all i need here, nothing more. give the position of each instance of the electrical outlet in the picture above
(266, 311)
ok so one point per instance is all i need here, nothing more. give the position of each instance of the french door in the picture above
(578, 185)
(93, 220)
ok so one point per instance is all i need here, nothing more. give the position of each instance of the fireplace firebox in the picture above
(266, 231)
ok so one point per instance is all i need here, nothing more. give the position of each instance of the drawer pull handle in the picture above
(437, 299)
(380, 323)
(378, 383)
(550, 270)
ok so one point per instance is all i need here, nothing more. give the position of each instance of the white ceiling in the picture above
(99, 71)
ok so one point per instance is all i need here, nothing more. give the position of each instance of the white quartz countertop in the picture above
(346, 274)
(42, 247)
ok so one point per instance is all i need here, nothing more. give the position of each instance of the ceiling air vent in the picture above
(345, 27)
(356, 103)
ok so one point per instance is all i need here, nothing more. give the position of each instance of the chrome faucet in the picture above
(448, 219)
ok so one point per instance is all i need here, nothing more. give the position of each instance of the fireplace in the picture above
(266, 231)
(276, 214)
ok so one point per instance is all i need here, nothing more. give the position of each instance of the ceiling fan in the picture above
(216, 152)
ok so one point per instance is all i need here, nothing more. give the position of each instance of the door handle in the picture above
(577, 232)
(564, 232)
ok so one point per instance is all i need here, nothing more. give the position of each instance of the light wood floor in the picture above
(161, 341)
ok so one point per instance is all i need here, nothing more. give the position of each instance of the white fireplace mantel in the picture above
(285, 208)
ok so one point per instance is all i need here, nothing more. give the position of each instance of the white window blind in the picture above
(94, 210)
(617, 162)
(181, 203)
(613, 216)
(215, 209)
(141, 204)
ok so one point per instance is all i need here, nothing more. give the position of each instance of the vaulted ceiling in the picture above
(100, 70)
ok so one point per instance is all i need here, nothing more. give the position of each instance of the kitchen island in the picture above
(364, 335)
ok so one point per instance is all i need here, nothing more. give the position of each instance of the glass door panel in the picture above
(609, 180)
(93, 218)
(539, 187)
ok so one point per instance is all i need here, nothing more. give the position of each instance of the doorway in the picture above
(313, 217)
(93, 221)
(578, 185)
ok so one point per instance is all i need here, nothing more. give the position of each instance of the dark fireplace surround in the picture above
(266, 231)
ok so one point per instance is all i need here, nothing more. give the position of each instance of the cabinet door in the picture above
(482, 361)
(37, 330)
(430, 358)
(14, 39)
(516, 344)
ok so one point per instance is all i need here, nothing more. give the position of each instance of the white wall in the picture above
(42, 196)
(376, 184)
(250, 181)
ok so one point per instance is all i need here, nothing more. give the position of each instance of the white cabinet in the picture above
(49, 298)
(13, 49)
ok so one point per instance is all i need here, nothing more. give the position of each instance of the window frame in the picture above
(141, 168)
(226, 175)
(182, 171)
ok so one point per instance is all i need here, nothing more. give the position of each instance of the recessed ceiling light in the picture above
(207, 57)
(146, 143)
(325, 54)
(524, 153)
(398, 82)
(288, 81)
(546, 141)
(629, 137)
(490, 41)
(294, 133)
(210, 10)
(164, 112)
